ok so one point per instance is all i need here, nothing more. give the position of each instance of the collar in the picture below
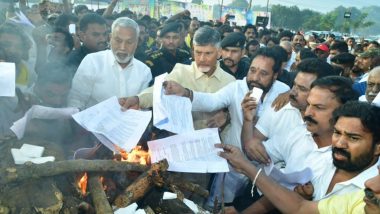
(217, 73)
(362, 177)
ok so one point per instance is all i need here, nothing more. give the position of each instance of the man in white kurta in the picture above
(279, 123)
(262, 74)
(114, 72)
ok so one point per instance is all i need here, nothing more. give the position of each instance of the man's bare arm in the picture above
(283, 199)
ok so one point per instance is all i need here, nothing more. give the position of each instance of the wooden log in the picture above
(142, 185)
(98, 196)
(32, 196)
(154, 200)
(171, 179)
(29, 170)
(149, 210)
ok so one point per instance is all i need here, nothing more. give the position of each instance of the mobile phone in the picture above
(256, 93)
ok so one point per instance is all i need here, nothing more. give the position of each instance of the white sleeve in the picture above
(208, 102)
(266, 122)
(82, 85)
(146, 81)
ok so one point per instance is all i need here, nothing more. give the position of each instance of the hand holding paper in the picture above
(190, 152)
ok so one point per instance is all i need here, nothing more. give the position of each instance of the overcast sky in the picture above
(317, 5)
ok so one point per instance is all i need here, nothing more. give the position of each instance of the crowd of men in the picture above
(317, 109)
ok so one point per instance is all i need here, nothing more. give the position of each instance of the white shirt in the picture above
(290, 62)
(231, 97)
(279, 122)
(292, 148)
(299, 150)
(99, 77)
(323, 172)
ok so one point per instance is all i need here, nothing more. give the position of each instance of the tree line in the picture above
(360, 21)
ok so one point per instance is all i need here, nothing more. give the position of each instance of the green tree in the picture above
(312, 23)
(328, 21)
(361, 22)
(286, 17)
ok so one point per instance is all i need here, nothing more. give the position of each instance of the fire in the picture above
(82, 184)
(137, 155)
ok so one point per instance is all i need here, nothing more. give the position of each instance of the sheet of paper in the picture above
(376, 101)
(41, 112)
(191, 205)
(170, 112)
(169, 196)
(159, 112)
(7, 79)
(124, 129)
(289, 180)
(212, 164)
(129, 209)
(190, 152)
(32, 151)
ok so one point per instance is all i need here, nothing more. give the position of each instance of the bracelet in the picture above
(254, 180)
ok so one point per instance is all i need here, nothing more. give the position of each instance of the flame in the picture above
(137, 155)
(82, 184)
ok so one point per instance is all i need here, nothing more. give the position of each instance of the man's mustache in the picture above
(310, 119)
(341, 152)
(228, 59)
(252, 84)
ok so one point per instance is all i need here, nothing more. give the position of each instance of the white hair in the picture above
(127, 23)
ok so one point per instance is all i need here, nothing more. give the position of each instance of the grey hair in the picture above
(207, 36)
(126, 23)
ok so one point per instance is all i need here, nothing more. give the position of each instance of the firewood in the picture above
(142, 185)
(99, 198)
(29, 170)
(154, 200)
(148, 210)
(171, 179)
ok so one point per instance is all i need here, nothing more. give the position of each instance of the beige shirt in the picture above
(189, 77)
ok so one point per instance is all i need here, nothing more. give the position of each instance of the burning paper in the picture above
(190, 152)
(113, 127)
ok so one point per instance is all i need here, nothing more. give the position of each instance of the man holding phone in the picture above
(262, 74)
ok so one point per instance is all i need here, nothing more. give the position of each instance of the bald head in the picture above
(373, 84)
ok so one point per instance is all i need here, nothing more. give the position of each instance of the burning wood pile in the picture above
(89, 186)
